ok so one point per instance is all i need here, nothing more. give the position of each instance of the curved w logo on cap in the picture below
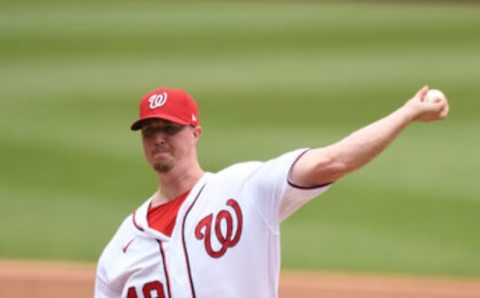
(157, 100)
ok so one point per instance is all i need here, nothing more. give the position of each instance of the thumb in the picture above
(420, 95)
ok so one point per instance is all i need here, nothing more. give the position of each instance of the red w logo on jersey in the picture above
(226, 238)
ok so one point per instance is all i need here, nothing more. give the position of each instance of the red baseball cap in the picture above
(174, 105)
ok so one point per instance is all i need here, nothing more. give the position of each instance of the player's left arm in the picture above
(324, 165)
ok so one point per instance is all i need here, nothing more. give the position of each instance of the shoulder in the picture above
(242, 172)
(248, 166)
(240, 168)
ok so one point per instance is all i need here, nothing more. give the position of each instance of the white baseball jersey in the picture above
(225, 243)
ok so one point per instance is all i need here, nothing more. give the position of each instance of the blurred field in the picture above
(76, 280)
(269, 77)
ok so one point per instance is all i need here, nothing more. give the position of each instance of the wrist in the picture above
(407, 114)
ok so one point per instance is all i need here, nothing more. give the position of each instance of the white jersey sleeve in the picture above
(279, 197)
(296, 196)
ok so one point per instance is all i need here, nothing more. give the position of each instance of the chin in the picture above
(162, 167)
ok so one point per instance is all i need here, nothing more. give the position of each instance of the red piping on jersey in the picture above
(308, 187)
(135, 222)
(298, 186)
(162, 252)
(192, 288)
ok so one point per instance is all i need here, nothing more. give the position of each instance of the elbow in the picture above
(331, 169)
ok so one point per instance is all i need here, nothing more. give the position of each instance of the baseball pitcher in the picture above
(214, 235)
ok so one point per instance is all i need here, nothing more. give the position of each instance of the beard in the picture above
(163, 167)
(161, 158)
(163, 162)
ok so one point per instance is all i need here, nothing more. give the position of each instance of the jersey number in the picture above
(153, 289)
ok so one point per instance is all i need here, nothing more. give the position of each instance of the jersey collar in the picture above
(139, 216)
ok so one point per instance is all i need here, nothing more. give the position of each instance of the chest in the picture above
(222, 242)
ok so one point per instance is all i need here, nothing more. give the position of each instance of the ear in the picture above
(197, 132)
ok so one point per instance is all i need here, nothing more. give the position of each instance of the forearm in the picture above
(327, 164)
(363, 145)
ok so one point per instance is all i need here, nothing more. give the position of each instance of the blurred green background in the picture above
(269, 77)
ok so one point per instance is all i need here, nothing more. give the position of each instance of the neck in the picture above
(175, 183)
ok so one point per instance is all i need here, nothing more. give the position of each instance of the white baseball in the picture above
(434, 95)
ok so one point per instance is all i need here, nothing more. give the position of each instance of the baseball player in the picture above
(210, 235)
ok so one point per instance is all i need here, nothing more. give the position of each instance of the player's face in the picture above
(166, 143)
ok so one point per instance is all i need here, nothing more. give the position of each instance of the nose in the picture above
(160, 137)
(155, 140)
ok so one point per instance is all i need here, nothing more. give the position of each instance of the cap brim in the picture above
(138, 124)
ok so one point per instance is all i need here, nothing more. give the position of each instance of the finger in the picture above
(444, 112)
(422, 92)
(433, 108)
(438, 106)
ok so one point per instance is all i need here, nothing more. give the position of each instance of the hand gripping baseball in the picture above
(428, 105)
